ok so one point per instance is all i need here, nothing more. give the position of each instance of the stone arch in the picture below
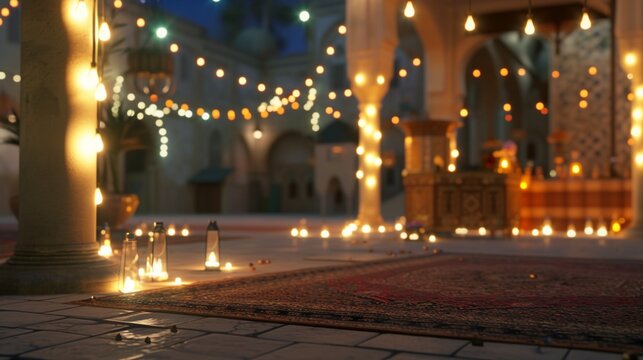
(290, 163)
(336, 199)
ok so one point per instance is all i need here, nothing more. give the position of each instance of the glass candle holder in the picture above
(156, 263)
(212, 254)
(128, 279)
(105, 242)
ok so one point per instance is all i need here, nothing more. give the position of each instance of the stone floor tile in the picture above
(592, 355)
(500, 351)
(318, 335)
(6, 332)
(418, 344)
(409, 356)
(36, 306)
(230, 346)
(323, 352)
(230, 326)
(155, 319)
(171, 354)
(9, 300)
(79, 326)
(32, 341)
(69, 298)
(91, 312)
(159, 338)
(18, 318)
(92, 349)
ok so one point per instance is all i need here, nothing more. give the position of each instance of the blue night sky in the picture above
(208, 13)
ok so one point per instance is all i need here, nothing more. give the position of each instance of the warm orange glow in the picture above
(169, 103)
(524, 185)
(219, 73)
(506, 107)
(583, 93)
(216, 114)
(140, 22)
(504, 72)
(341, 29)
(403, 73)
(476, 73)
(522, 72)
(576, 169)
(417, 62)
(464, 112)
(592, 70)
(395, 120)
(583, 104)
(540, 106)
(200, 61)
(231, 115)
(508, 117)
(555, 74)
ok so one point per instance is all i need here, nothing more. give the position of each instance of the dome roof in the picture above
(338, 132)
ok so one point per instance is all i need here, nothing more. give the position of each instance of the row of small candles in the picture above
(156, 262)
(351, 228)
(601, 230)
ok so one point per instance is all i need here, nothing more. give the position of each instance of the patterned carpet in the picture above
(592, 304)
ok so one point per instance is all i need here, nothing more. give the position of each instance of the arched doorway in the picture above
(335, 197)
(291, 174)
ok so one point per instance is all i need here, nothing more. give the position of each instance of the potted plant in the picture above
(10, 123)
(120, 134)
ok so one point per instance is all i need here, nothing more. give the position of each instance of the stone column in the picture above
(629, 32)
(56, 250)
(370, 46)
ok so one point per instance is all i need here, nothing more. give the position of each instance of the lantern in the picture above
(128, 280)
(212, 255)
(157, 254)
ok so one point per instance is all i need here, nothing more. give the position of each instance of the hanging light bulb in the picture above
(104, 34)
(470, 24)
(80, 10)
(409, 10)
(98, 143)
(101, 92)
(91, 78)
(530, 29)
(585, 21)
(98, 197)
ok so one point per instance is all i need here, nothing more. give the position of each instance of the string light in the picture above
(530, 28)
(104, 34)
(585, 21)
(409, 10)
(342, 29)
(470, 24)
(80, 10)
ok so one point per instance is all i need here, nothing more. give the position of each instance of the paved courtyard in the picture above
(50, 327)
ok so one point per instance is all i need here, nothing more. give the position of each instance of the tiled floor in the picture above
(50, 327)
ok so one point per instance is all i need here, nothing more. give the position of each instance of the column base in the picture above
(37, 273)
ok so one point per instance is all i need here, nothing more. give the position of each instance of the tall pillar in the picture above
(371, 41)
(56, 250)
(629, 32)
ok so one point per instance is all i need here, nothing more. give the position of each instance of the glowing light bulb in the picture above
(101, 92)
(161, 32)
(257, 134)
(98, 143)
(571, 231)
(294, 232)
(304, 16)
(90, 80)
(104, 34)
(409, 10)
(470, 24)
(585, 21)
(630, 59)
(80, 10)
(325, 234)
(98, 197)
(530, 28)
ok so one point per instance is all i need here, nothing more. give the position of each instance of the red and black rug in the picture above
(593, 304)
